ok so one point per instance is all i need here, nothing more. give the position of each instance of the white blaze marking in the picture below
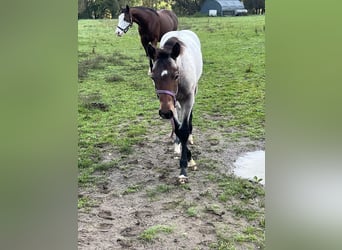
(164, 72)
(121, 17)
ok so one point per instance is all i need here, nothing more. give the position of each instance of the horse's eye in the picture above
(176, 76)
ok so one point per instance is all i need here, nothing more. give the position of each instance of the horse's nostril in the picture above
(166, 115)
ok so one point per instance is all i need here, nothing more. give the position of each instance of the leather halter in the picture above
(125, 29)
(167, 92)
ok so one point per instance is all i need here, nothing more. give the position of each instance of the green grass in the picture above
(240, 240)
(192, 212)
(152, 232)
(83, 202)
(233, 82)
(132, 189)
(158, 190)
(242, 189)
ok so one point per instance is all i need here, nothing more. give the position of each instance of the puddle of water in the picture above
(251, 164)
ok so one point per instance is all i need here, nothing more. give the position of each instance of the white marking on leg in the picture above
(191, 139)
(177, 149)
(192, 164)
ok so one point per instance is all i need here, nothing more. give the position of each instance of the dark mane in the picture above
(146, 9)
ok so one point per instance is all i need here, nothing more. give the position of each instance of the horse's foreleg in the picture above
(182, 133)
(154, 44)
(191, 162)
(183, 163)
(145, 45)
(151, 66)
(186, 160)
(177, 146)
(177, 143)
(191, 138)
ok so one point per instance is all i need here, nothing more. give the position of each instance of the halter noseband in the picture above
(125, 29)
(167, 92)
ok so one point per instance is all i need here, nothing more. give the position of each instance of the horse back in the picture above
(168, 21)
(191, 54)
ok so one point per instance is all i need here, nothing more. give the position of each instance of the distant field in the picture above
(118, 116)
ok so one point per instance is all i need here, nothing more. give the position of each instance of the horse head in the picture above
(124, 21)
(165, 76)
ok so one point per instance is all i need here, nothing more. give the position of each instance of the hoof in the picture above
(182, 179)
(192, 164)
(191, 139)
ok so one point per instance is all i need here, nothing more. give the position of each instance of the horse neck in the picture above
(138, 17)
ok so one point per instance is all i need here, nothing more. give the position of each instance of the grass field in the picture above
(118, 109)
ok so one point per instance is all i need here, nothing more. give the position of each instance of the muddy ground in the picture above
(140, 191)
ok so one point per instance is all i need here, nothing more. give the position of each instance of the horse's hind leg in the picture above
(191, 163)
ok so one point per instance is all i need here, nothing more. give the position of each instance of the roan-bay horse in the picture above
(177, 68)
(152, 24)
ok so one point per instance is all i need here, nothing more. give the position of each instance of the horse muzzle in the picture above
(166, 114)
(119, 33)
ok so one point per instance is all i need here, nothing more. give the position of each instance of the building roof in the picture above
(230, 4)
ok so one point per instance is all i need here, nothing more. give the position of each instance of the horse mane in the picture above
(147, 9)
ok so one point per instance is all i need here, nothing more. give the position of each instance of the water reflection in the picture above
(251, 164)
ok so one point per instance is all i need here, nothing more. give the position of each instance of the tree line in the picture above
(111, 8)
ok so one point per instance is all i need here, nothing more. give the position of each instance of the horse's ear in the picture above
(127, 8)
(151, 51)
(175, 51)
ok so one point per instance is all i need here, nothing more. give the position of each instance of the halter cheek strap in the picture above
(167, 92)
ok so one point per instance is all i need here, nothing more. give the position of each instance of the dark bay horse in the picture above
(152, 24)
(177, 68)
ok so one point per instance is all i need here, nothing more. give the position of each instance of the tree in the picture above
(100, 8)
(97, 8)
(187, 7)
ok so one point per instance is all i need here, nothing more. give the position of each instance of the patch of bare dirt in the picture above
(142, 191)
